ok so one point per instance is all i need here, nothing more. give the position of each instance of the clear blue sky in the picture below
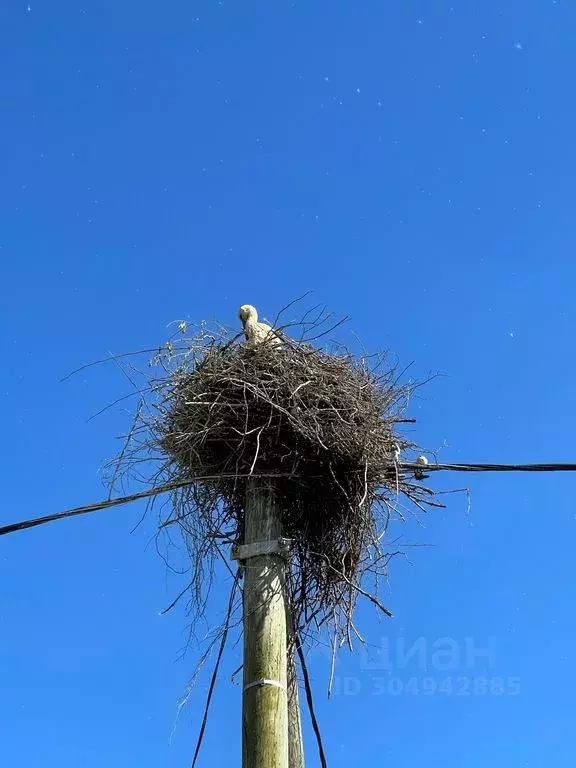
(411, 162)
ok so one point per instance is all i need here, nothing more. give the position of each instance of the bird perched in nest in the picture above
(419, 473)
(254, 331)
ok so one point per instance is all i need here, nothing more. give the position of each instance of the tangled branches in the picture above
(322, 424)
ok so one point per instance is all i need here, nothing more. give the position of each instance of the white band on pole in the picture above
(264, 681)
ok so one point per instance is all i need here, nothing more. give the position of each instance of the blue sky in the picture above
(410, 162)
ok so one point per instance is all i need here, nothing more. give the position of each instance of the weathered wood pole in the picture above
(264, 700)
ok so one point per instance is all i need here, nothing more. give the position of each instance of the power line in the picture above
(13, 527)
(167, 487)
(117, 502)
(491, 467)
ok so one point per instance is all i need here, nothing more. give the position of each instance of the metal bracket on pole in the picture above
(243, 552)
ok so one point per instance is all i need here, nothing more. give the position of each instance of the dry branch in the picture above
(322, 422)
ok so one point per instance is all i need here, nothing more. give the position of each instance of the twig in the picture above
(176, 599)
(109, 359)
(332, 662)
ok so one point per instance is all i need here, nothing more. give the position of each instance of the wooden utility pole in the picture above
(265, 699)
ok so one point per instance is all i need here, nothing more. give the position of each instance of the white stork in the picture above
(254, 331)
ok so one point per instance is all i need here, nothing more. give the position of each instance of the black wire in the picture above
(97, 506)
(310, 701)
(419, 468)
(20, 526)
(491, 467)
(215, 672)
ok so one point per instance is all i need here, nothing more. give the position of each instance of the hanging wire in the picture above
(417, 468)
(492, 467)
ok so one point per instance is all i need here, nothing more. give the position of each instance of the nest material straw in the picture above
(321, 425)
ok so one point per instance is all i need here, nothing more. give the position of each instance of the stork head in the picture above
(247, 312)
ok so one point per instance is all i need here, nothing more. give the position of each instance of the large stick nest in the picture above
(323, 426)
